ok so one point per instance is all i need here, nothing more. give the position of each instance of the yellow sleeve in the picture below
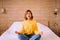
(22, 29)
(36, 28)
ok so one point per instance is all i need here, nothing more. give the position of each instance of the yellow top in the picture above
(29, 27)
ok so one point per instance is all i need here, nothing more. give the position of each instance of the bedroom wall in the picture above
(54, 20)
(42, 11)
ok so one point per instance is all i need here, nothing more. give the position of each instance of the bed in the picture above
(10, 34)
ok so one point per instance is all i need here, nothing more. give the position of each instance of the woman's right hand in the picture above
(17, 32)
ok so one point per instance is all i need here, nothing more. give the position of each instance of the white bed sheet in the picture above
(10, 33)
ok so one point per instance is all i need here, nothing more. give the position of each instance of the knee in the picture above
(20, 35)
(35, 37)
(39, 36)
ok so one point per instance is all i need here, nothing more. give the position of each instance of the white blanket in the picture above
(10, 33)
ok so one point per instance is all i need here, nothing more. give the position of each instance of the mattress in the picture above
(10, 34)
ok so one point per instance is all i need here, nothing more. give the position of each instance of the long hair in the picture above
(26, 12)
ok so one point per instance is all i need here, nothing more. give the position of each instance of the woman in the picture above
(29, 30)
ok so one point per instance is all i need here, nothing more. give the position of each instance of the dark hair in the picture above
(27, 13)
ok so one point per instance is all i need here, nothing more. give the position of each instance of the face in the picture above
(28, 15)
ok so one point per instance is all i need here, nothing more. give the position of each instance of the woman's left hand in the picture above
(41, 33)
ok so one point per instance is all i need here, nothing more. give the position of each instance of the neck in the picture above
(29, 19)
